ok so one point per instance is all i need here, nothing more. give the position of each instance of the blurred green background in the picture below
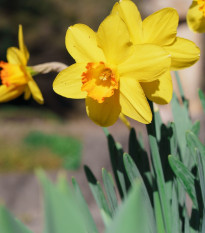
(44, 25)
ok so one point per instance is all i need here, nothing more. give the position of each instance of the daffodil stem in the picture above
(48, 67)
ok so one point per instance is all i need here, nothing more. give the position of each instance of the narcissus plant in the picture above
(159, 29)
(15, 76)
(196, 16)
(108, 71)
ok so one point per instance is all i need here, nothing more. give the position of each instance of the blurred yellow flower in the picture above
(15, 76)
(108, 71)
(196, 16)
(158, 29)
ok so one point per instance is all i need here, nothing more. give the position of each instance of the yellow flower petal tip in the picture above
(196, 16)
(14, 75)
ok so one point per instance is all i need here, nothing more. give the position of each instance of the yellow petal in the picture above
(10, 93)
(22, 46)
(159, 91)
(35, 91)
(15, 56)
(161, 27)
(133, 101)
(82, 45)
(184, 53)
(146, 64)
(27, 93)
(68, 82)
(195, 18)
(129, 13)
(113, 38)
(106, 113)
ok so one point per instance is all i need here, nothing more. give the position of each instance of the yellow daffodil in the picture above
(108, 71)
(196, 16)
(15, 76)
(159, 29)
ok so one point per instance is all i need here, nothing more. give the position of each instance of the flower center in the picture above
(99, 81)
(12, 74)
(201, 4)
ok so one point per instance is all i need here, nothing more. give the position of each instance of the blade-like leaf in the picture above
(110, 190)
(160, 183)
(196, 128)
(175, 212)
(116, 158)
(183, 123)
(185, 177)
(186, 227)
(98, 195)
(201, 175)
(132, 216)
(202, 98)
(158, 212)
(62, 211)
(85, 211)
(8, 224)
(134, 174)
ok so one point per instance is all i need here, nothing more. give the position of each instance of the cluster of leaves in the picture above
(153, 189)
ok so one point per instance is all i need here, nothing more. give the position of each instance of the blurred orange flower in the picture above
(15, 76)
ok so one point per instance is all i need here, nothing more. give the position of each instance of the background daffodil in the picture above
(15, 76)
(196, 16)
(159, 29)
(108, 71)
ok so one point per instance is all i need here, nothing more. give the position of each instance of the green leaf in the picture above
(160, 183)
(85, 211)
(63, 213)
(184, 176)
(182, 123)
(186, 227)
(201, 175)
(8, 224)
(132, 216)
(175, 212)
(196, 128)
(193, 142)
(98, 195)
(158, 212)
(158, 124)
(110, 190)
(173, 139)
(138, 154)
(116, 158)
(203, 223)
(134, 175)
(202, 98)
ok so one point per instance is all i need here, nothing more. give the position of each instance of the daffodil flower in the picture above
(196, 16)
(159, 29)
(15, 75)
(108, 71)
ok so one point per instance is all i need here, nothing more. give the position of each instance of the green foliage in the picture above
(202, 98)
(152, 190)
(67, 148)
(8, 224)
